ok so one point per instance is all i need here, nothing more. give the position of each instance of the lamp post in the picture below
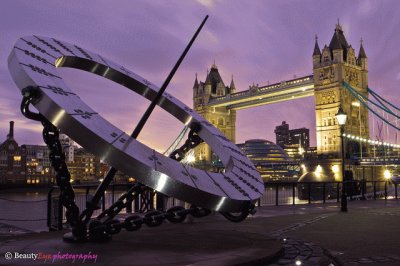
(341, 117)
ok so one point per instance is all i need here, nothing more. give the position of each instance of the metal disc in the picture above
(34, 61)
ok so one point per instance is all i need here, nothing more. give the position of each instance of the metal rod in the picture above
(153, 104)
(294, 193)
(112, 171)
(343, 202)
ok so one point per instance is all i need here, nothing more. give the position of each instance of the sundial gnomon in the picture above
(33, 64)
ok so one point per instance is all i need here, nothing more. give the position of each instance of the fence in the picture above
(276, 193)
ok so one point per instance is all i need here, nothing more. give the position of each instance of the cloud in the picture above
(207, 3)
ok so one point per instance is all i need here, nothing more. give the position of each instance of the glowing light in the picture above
(335, 168)
(298, 262)
(71, 180)
(387, 174)
(356, 104)
(101, 179)
(318, 171)
(303, 167)
(341, 117)
(190, 158)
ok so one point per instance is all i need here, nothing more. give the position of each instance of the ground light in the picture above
(387, 174)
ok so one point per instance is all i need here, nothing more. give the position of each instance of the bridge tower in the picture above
(333, 65)
(221, 117)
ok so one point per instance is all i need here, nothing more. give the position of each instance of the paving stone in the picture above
(285, 262)
(382, 259)
(394, 257)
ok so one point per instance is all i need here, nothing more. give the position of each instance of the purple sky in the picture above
(256, 41)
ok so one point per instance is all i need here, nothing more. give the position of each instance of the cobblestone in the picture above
(295, 250)
(372, 259)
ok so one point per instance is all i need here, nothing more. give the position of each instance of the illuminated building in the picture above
(333, 65)
(220, 117)
(85, 167)
(271, 160)
(294, 141)
(12, 160)
(38, 167)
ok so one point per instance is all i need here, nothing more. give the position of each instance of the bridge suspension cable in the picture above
(375, 95)
(177, 141)
(365, 102)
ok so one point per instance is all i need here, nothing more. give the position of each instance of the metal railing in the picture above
(276, 193)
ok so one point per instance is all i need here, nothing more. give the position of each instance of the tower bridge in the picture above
(335, 64)
(256, 96)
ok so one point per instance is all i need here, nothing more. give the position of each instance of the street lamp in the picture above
(341, 117)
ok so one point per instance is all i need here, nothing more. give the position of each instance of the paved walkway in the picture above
(314, 234)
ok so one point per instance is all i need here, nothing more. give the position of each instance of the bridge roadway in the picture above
(277, 92)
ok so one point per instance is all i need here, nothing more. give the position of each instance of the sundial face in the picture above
(34, 61)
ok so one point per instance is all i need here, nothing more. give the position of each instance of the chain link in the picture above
(57, 159)
(192, 141)
(177, 214)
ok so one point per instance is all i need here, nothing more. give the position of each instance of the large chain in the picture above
(192, 142)
(57, 159)
(105, 224)
(177, 214)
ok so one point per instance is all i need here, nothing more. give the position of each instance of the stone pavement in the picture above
(317, 234)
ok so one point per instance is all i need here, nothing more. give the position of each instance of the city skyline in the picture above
(268, 41)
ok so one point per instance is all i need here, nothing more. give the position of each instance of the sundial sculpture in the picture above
(33, 64)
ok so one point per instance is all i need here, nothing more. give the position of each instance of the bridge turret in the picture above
(338, 45)
(232, 87)
(317, 53)
(195, 87)
(362, 57)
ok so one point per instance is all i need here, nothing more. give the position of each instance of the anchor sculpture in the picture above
(33, 64)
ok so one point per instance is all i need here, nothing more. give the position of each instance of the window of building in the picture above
(3, 160)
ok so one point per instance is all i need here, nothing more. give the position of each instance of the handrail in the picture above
(276, 193)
